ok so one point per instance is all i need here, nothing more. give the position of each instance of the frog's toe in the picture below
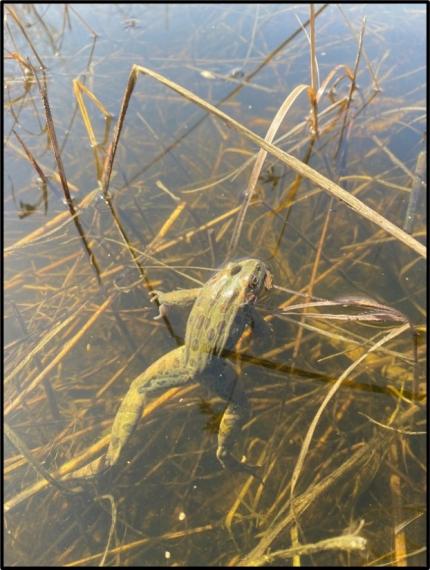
(153, 295)
(162, 312)
(254, 470)
(229, 462)
(89, 471)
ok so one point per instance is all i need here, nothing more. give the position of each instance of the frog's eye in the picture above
(235, 269)
(254, 281)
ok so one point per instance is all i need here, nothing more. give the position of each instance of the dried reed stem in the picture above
(399, 536)
(18, 22)
(416, 191)
(56, 150)
(314, 71)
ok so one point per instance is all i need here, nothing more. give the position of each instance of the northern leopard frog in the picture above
(222, 308)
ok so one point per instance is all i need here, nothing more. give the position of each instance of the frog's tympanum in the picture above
(222, 308)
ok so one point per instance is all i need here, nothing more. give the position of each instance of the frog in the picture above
(221, 311)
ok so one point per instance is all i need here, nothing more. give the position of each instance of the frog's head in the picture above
(253, 276)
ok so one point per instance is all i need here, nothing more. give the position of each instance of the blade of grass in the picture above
(376, 85)
(78, 89)
(352, 86)
(36, 166)
(61, 172)
(256, 170)
(393, 157)
(21, 26)
(416, 191)
(314, 71)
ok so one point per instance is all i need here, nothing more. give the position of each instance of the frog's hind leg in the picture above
(225, 384)
(167, 372)
(123, 426)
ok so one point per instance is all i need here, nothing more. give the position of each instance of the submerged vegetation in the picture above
(145, 148)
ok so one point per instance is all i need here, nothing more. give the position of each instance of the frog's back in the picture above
(216, 321)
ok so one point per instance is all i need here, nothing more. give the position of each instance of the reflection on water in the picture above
(179, 181)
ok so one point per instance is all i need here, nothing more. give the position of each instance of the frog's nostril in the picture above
(235, 269)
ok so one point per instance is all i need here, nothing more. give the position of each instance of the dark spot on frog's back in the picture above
(195, 345)
(200, 321)
(191, 321)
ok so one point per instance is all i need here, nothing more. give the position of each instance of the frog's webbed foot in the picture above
(154, 294)
(232, 464)
(89, 472)
(162, 312)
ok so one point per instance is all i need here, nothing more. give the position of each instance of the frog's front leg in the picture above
(179, 298)
(223, 381)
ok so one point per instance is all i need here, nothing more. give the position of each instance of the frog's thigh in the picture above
(167, 372)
